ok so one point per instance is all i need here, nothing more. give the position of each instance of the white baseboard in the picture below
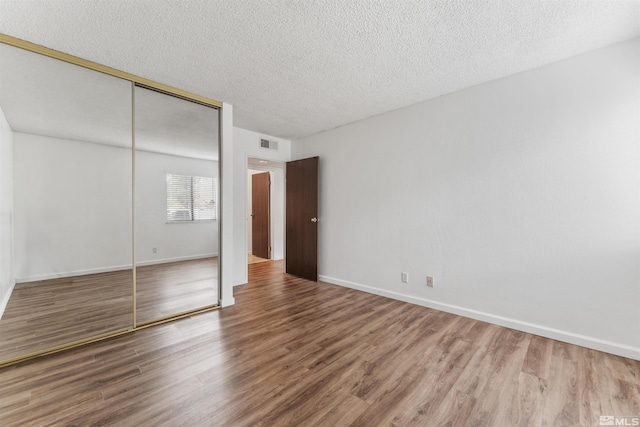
(108, 269)
(175, 259)
(543, 331)
(5, 300)
(72, 273)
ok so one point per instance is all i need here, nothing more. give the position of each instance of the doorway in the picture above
(260, 215)
(265, 210)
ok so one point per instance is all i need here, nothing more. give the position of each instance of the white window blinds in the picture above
(190, 198)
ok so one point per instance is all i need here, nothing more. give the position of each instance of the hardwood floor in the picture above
(300, 353)
(252, 259)
(46, 313)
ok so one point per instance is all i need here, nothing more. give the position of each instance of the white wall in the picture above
(247, 144)
(60, 188)
(173, 241)
(520, 196)
(227, 210)
(6, 212)
(276, 209)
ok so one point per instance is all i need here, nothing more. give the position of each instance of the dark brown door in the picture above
(302, 218)
(260, 224)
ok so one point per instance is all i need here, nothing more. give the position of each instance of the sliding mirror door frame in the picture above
(168, 90)
(176, 174)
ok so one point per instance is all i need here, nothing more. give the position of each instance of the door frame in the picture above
(275, 205)
(257, 242)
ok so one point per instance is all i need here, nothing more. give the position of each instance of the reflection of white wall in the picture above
(6, 212)
(521, 197)
(276, 209)
(72, 207)
(247, 144)
(177, 240)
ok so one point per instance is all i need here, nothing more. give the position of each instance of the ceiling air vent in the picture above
(265, 143)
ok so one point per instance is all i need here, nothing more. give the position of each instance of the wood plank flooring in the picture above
(46, 313)
(300, 353)
(252, 259)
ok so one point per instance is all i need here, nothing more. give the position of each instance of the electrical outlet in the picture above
(430, 281)
(154, 250)
(404, 277)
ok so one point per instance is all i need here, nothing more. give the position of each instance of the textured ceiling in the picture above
(295, 68)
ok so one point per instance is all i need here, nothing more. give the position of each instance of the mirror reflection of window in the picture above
(190, 198)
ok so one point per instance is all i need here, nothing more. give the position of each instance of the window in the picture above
(190, 198)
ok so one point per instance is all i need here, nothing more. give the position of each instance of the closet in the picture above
(109, 201)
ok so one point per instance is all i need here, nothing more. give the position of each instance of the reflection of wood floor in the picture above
(47, 313)
(298, 353)
(175, 287)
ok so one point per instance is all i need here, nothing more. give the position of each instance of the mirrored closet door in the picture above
(176, 205)
(108, 201)
(66, 203)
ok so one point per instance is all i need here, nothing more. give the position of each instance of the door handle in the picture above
(314, 219)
